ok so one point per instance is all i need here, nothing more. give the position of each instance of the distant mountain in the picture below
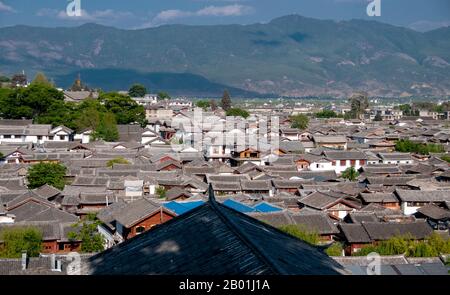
(173, 83)
(291, 55)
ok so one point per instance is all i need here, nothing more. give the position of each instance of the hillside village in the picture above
(341, 181)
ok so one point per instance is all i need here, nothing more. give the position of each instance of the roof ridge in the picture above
(257, 250)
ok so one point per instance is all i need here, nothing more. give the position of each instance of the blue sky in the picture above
(131, 14)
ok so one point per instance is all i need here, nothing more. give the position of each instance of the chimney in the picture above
(24, 260)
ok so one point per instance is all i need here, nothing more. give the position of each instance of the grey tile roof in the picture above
(136, 211)
(355, 233)
(378, 197)
(434, 212)
(422, 196)
(213, 239)
(384, 231)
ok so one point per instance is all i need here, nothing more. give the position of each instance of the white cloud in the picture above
(6, 8)
(227, 10)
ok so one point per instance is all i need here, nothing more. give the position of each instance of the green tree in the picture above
(334, 249)
(46, 173)
(407, 146)
(87, 232)
(107, 128)
(137, 90)
(30, 102)
(237, 112)
(446, 158)
(325, 114)
(161, 192)
(204, 104)
(118, 160)
(301, 232)
(19, 239)
(299, 121)
(124, 108)
(350, 173)
(163, 95)
(226, 101)
(4, 79)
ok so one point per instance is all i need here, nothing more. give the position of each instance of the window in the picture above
(352, 163)
(317, 165)
(362, 162)
(61, 247)
(333, 163)
(51, 137)
(6, 136)
(140, 230)
(343, 162)
(39, 137)
(62, 137)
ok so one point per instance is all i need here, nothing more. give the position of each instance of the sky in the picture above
(421, 15)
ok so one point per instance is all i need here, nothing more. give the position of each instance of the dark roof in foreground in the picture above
(214, 240)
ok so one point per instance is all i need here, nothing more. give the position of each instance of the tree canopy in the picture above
(299, 121)
(326, 114)
(407, 146)
(91, 240)
(125, 109)
(41, 79)
(118, 160)
(137, 90)
(238, 112)
(350, 173)
(19, 239)
(46, 173)
(204, 104)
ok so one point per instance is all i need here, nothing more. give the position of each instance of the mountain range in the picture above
(291, 56)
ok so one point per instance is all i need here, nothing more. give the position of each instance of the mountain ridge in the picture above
(290, 55)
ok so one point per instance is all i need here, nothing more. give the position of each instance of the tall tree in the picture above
(359, 103)
(226, 101)
(91, 240)
(124, 108)
(137, 90)
(213, 104)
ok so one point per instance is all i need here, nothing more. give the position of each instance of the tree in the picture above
(213, 104)
(301, 232)
(407, 146)
(161, 192)
(30, 102)
(335, 249)
(46, 173)
(204, 104)
(350, 173)
(4, 79)
(226, 101)
(118, 160)
(326, 114)
(359, 103)
(378, 117)
(91, 240)
(125, 109)
(299, 121)
(137, 90)
(107, 128)
(19, 239)
(237, 112)
(163, 95)
(40, 78)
